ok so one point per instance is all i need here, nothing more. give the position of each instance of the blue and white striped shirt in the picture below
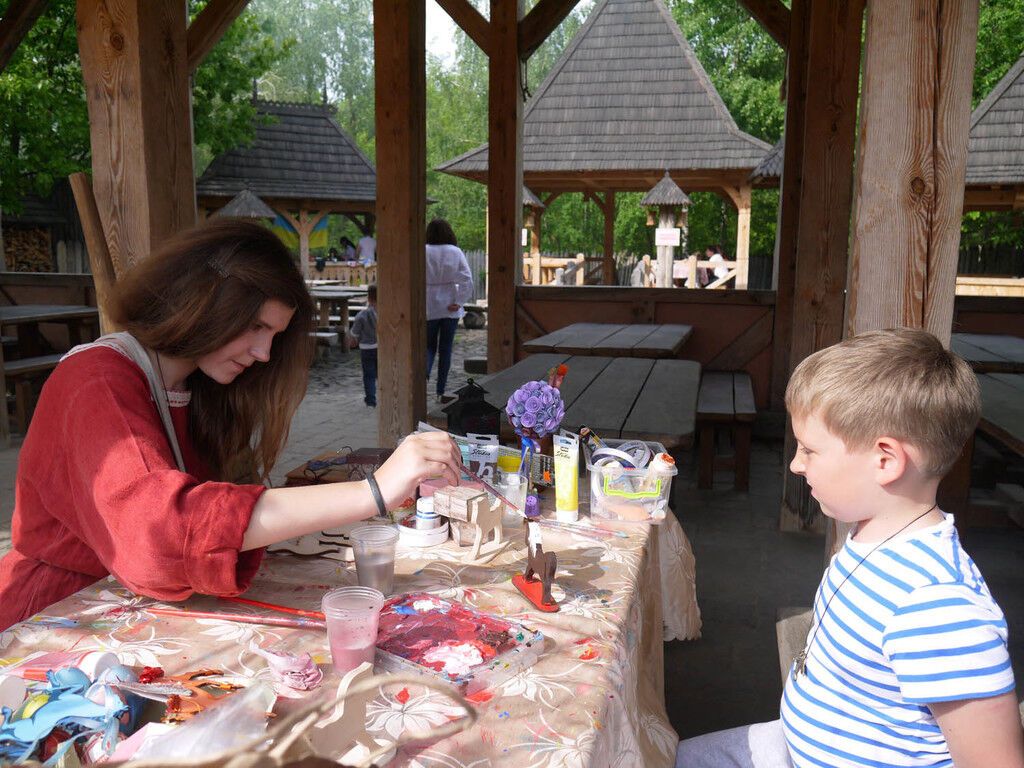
(915, 623)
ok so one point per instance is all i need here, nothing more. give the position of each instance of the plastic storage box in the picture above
(630, 495)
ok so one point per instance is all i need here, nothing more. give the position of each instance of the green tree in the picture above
(44, 127)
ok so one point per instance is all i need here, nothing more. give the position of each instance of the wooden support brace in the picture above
(773, 16)
(470, 21)
(540, 22)
(104, 271)
(209, 27)
(20, 17)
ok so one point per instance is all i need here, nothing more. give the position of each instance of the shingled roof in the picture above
(627, 94)
(299, 153)
(770, 168)
(995, 152)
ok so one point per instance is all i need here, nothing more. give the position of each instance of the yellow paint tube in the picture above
(567, 478)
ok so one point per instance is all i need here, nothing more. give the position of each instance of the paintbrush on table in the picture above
(241, 618)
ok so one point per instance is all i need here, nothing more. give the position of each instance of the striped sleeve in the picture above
(947, 642)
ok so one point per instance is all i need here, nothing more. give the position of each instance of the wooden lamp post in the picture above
(672, 204)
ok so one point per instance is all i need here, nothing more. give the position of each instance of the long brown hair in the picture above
(197, 292)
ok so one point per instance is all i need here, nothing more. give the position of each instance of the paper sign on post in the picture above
(667, 236)
(524, 236)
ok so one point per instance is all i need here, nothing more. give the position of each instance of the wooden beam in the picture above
(742, 236)
(133, 55)
(104, 274)
(400, 87)
(540, 22)
(209, 27)
(773, 16)
(910, 176)
(470, 21)
(910, 169)
(20, 17)
(504, 181)
(608, 265)
(814, 288)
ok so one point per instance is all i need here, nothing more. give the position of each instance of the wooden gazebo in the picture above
(627, 100)
(302, 164)
(995, 153)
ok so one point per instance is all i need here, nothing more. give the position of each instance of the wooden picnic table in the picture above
(623, 397)
(334, 299)
(989, 352)
(615, 339)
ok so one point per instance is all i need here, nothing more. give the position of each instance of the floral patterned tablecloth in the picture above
(595, 697)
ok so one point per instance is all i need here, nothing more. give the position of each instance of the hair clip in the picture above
(217, 267)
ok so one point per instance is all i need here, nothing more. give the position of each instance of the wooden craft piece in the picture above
(476, 508)
(337, 735)
(538, 563)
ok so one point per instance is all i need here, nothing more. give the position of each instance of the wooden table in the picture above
(332, 299)
(614, 339)
(1002, 419)
(624, 397)
(990, 353)
(26, 319)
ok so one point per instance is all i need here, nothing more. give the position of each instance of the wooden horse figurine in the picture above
(477, 508)
(538, 564)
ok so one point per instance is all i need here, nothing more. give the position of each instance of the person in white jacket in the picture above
(449, 286)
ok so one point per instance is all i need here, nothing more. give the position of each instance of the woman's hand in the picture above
(418, 458)
(453, 307)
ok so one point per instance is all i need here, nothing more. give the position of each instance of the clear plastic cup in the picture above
(352, 615)
(513, 487)
(374, 549)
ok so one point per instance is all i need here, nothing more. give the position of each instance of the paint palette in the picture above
(455, 643)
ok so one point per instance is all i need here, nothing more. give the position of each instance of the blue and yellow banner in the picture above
(284, 230)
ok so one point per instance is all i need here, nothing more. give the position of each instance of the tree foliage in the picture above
(44, 125)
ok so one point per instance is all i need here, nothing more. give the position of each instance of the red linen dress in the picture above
(98, 492)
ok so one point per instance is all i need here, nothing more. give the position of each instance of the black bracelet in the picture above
(377, 496)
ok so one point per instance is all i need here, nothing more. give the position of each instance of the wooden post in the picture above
(666, 220)
(910, 176)
(742, 236)
(608, 265)
(824, 200)
(134, 64)
(103, 273)
(504, 180)
(787, 221)
(400, 86)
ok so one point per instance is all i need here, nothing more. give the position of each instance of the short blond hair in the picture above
(899, 382)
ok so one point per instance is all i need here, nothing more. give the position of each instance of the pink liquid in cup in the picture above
(352, 615)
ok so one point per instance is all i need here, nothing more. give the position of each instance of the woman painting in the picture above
(449, 286)
(126, 467)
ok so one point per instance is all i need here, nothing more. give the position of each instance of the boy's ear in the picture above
(890, 459)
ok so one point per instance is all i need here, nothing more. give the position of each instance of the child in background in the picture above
(906, 661)
(364, 336)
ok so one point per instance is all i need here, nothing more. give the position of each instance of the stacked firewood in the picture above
(27, 250)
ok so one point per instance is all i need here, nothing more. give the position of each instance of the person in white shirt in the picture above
(714, 253)
(366, 250)
(449, 286)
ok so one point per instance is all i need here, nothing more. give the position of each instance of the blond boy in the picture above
(906, 662)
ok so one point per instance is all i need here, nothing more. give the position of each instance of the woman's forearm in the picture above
(285, 513)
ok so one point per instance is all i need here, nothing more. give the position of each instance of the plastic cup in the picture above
(374, 549)
(513, 487)
(352, 615)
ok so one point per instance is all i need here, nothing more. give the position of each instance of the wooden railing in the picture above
(347, 274)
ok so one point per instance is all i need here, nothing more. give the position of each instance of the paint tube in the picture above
(567, 478)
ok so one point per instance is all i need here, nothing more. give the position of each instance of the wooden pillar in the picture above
(135, 68)
(504, 180)
(666, 253)
(400, 87)
(910, 176)
(608, 265)
(814, 289)
(787, 222)
(742, 236)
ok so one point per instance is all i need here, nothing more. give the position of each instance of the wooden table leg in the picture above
(742, 459)
(706, 463)
(5, 420)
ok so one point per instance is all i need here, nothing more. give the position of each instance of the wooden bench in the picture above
(477, 365)
(725, 401)
(21, 373)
